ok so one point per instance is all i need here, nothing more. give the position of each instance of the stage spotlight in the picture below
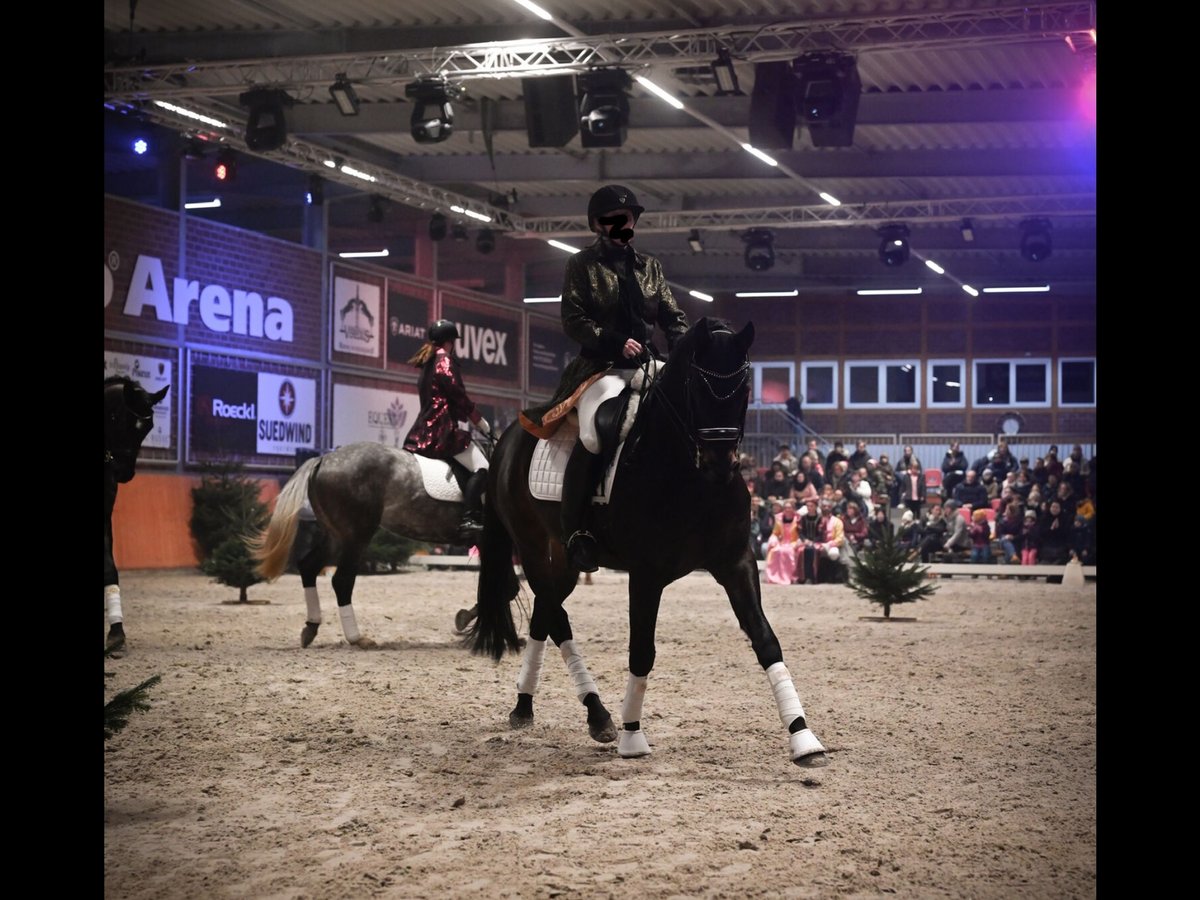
(893, 244)
(194, 148)
(266, 128)
(1035, 239)
(827, 93)
(315, 195)
(603, 107)
(485, 241)
(760, 252)
(343, 95)
(376, 209)
(458, 231)
(437, 227)
(225, 169)
(968, 230)
(432, 117)
(725, 73)
(694, 241)
(140, 146)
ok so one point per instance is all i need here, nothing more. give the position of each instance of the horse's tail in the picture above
(272, 546)
(493, 630)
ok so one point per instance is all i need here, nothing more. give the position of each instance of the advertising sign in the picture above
(371, 414)
(355, 317)
(224, 411)
(406, 325)
(549, 353)
(287, 411)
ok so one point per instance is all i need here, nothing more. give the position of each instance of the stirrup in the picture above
(581, 551)
(471, 526)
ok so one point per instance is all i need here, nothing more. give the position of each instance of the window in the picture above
(773, 382)
(818, 385)
(1077, 382)
(879, 384)
(1012, 383)
(947, 385)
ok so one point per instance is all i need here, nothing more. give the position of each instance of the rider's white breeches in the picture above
(606, 386)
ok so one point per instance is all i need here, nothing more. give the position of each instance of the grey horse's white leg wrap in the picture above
(531, 667)
(349, 625)
(635, 693)
(786, 697)
(112, 604)
(580, 677)
(313, 603)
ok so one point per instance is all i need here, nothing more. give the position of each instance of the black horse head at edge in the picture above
(704, 391)
(128, 418)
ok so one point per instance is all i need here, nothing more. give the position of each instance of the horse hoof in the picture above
(603, 734)
(633, 744)
(516, 720)
(812, 761)
(308, 634)
(365, 643)
(463, 618)
(807, 750)
(115, 641)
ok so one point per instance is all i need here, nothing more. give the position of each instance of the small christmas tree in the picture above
(883, 575)
(225, 509)
(124, 704)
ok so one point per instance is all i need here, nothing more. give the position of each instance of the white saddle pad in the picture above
(550, 461)
(440, 483)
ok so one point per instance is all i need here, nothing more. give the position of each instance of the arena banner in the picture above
(407, 321)
(372, 414)
(356, 316)
(224, 411)
(287, 414)
(153, 374)
(488, 342)
(549, 353)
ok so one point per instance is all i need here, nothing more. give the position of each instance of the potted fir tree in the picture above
(882, 574)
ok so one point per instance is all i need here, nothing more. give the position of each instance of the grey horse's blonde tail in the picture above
(273, 545)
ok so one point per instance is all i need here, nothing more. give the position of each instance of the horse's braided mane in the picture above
(119, 379)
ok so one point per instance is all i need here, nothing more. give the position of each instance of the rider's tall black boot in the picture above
(472, 523)
(579, 480)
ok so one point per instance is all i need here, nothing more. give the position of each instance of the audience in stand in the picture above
(809, 466)
(802, 487)
(908, 534)
(778, 483)
(981, 537)
(886, 475)
(958, 535)
(1083, 541)
(912, 489)
(822, 540)
(933, 534)
(990, 485)
(1031, 539)
(954, 468)
(786, 458)
(1055, 530)
(782, 546)
(970, 492)
(837, 454)
(854, 530)
(1009, 530)
(858, 459)
(880, 526)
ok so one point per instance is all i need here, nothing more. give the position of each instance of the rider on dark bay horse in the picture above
(612, 298)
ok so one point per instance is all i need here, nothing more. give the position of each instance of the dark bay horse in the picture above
(677, 505)
(128, 418)
(332, 506)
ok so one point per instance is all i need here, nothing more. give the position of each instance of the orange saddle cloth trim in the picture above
(556, 414)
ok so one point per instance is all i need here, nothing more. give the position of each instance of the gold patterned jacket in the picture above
(594, 315)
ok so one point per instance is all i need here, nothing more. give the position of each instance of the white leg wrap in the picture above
(531, 667)
(349, 625)
(786, 697)
(313, 604)
(580, 677)
(112, 604)
(635, 693)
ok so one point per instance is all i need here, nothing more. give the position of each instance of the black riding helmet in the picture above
(442, 330)
(610, 197)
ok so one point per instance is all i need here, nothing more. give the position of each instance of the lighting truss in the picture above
(512, 59)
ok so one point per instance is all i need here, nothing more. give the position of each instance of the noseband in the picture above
(721, 387)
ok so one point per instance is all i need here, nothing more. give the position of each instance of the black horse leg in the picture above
(745, 596)
(310, 553)
(531, 668)
(644, 599)
(599, 720)
(115, 639)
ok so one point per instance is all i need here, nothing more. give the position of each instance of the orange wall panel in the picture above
(150, 521)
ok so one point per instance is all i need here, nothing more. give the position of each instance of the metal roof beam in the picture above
(509, 59)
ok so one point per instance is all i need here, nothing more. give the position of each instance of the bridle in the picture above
(721, 387)
(116, 411)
